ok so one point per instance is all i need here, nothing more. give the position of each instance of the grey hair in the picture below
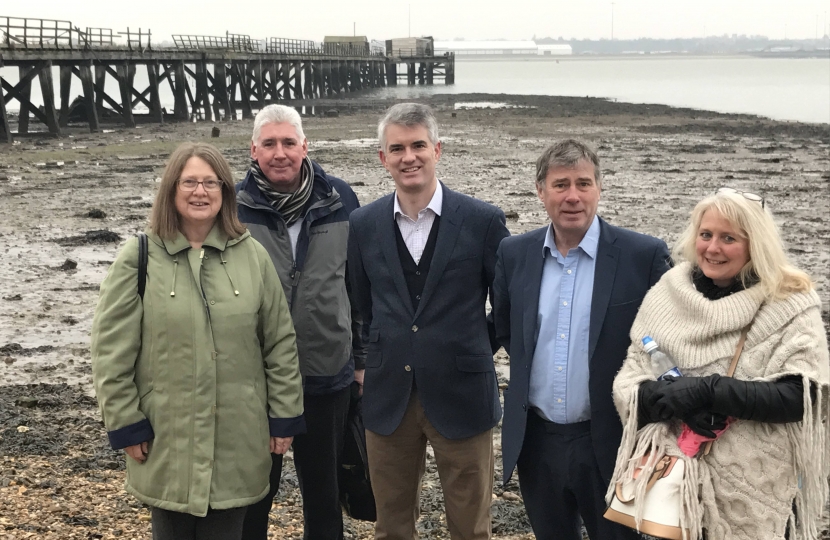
(277, 114)
(566, 153)
(409, 115)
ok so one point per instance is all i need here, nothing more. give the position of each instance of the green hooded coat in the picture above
(205, 368)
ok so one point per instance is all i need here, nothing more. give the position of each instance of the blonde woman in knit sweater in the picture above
(766, 476)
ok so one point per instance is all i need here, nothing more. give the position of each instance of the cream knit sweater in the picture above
(745, 488)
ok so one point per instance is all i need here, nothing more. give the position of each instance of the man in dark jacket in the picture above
(301, 215)
(422, 262)
(565, 296)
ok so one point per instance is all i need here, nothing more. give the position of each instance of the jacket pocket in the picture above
(374, 357)
(467, 264)
(474, 363)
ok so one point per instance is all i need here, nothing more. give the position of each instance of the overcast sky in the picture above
(443, 19)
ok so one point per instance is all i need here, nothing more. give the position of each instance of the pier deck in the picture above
(211, 78)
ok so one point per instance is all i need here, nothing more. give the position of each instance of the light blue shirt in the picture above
(559, 374)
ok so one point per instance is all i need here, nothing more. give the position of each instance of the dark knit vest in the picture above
(416, 274)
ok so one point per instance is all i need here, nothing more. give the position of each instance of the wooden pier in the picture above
(211, 78)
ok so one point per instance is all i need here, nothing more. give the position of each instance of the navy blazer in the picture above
(627, 265)
(444, 345)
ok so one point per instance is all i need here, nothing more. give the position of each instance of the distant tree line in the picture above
(709, 45)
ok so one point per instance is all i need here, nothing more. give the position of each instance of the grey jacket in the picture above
(315, 283)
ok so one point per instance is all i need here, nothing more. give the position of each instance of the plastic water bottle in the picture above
(661, 364)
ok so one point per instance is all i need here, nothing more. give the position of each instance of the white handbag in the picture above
(662, 504)
(661, 508)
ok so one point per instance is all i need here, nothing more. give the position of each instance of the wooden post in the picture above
(410, 73)
(298, 80)
(220, 90)
(421, 73)
(89, 96)
(47, 89)
(259, 84)
(202, 90)
(155, 99)
(337, 76)
(66, 85)
(391, 73)
(25, 99)
(125, 85)
(449, 70)
(285, 68)
(5, 128)
(100, 83)
(320, 79)
(430, 72)
(180, 95)
(274, 77)
(308, 89)
(244, 90)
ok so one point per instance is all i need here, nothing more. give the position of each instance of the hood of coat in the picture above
(216, 238)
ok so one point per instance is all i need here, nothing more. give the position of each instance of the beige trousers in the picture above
(396, 466)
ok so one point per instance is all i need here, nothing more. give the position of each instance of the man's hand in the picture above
(280, 445)
(358, 378)
(138, 451)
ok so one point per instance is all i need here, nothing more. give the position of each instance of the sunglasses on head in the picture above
(747, 195)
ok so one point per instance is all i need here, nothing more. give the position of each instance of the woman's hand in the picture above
(138, 451)
(280, 445)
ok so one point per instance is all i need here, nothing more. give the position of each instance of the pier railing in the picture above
(139, 40)
(231, 42)
(96, 37)
(35, 33)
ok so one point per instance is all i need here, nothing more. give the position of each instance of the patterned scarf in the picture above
(289, 205)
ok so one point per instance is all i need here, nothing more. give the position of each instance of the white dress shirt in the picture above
(415, 232)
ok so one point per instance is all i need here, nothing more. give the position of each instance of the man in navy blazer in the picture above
(565, 298)
(422, 263)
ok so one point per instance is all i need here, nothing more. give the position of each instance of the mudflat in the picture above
(68, 204)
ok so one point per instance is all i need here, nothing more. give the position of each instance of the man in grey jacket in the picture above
(301, 215)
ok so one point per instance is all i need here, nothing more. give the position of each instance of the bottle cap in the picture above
(649, 344)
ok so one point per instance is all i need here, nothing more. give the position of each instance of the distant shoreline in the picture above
(637, 56)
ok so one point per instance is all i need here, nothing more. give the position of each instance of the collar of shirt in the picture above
(435, 204)
(589, 243)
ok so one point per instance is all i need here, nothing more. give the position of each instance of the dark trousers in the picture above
(256, 518)
(216, 525)
(317, 460)
(560, 481)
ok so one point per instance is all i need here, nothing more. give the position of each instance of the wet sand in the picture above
(69, 203)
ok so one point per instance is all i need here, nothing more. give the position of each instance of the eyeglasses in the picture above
(189, 184)
(747, 195)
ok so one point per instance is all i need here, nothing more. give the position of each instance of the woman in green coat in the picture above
(198, 380)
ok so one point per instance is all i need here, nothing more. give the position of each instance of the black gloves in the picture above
(647, 413)
(680, 397)
(703, 403)
(776, 401)
(706, 423)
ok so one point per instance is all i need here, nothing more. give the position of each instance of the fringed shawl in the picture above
(756, 473)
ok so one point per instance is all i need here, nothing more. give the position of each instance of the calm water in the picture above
(779, 88)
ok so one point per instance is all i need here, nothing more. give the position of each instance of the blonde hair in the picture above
(767, 263)
(164, 219)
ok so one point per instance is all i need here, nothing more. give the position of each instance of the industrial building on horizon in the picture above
(501, 48)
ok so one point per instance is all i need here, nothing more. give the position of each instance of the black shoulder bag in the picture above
(143, 256)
